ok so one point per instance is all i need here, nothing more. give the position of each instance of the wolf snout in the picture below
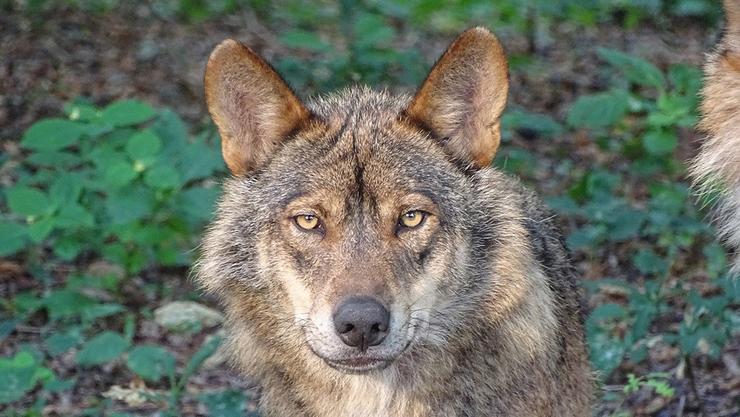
(361, 322)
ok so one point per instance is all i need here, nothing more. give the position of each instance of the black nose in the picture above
(361, 322)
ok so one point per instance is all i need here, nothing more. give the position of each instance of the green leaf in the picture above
(127, 113)
(18, 375)
(606, 353)
(27, 201)
(66, 189)
(97, 311)
(13, 237)
(59, 385)
(122, 208)
(371, 30)
(564, 205)
(660, 142)
(7, 327)
(626, 224)
(199, 202)
(64, 303)
(68, 247)
(648, 262)
(227, 403)
(55, 159)
(101, 349)
(74, 216)
(207, 349)
(588, 236)
(637, 70)
(599, 110)
(143, 145)
(162, 176)
(301, 39)
(58, 343)
(607, 311)
(686, 79)
(200, 161)
(170, 128)
(661, 387)
(524, 121)
(119, 174)
(81, 111)
(52, 134)
(151, 362)
(38, 231)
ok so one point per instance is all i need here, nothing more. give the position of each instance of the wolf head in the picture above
(351, 224)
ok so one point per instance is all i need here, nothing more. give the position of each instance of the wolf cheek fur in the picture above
(372, 263)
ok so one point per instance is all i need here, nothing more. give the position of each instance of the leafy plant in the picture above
(640, 118)
(656, 382)
(20, 374)
(124, 182)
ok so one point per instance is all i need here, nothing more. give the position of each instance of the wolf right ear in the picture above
(462, 99)
(253, 108)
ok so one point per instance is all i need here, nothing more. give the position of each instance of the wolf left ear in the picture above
(462, 99)
(251, 105)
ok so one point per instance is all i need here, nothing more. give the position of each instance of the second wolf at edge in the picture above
(370, 260)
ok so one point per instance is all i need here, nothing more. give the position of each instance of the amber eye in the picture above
(412, 218)
(307, 221)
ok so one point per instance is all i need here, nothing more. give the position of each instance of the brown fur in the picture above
(717, 167)
(485, 312)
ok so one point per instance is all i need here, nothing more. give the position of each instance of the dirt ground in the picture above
(46, 63)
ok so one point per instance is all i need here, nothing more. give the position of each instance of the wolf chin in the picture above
(717, 167)
(370, 260)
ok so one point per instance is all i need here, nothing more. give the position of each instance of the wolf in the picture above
(716, 168)
(370, 260)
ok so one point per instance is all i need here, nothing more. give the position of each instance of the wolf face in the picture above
(359, 217)
(347, 231)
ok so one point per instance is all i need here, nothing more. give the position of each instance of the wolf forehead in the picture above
(368, 120)
(360, 138)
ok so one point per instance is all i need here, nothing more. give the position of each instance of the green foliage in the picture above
(103, 183)
(151, 362)
(363, 50)
(599, 110)
(101, 349)
(228, 403)
(657, 382)
(640, 118)
(124, 183)
(20, 374)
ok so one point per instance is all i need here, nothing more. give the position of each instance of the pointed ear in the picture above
(251, 105)
(462, 99)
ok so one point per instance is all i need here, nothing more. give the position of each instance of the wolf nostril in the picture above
(346, 328)
(361, 322)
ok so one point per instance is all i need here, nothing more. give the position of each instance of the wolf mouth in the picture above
(358, 365)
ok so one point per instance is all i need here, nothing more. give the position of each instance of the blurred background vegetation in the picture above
(110, 168)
